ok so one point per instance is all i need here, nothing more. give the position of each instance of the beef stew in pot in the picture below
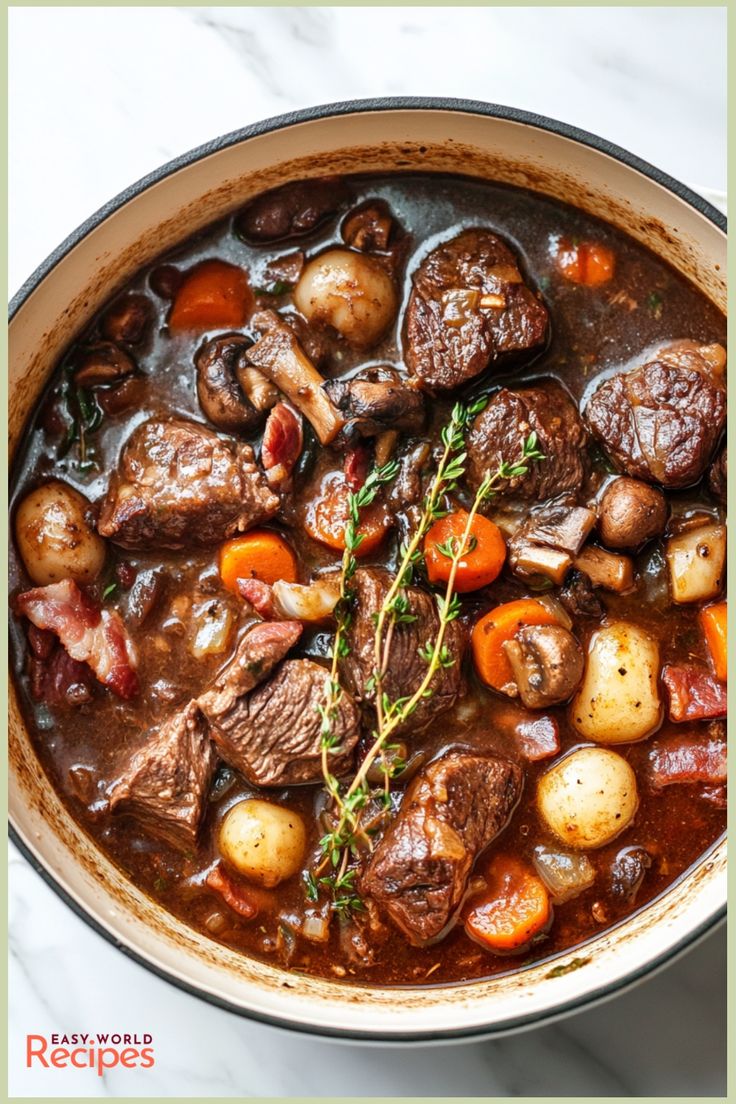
(368, 578)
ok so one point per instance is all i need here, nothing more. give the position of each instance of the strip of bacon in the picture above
(232, 894)
(89, 634)
(699, 757)
(695, 694)
(259, 595)
(356, 466)
(282, 444)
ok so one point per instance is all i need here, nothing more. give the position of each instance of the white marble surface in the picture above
(98, 98)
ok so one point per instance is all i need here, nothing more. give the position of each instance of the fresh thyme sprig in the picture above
(328, 710)
(392, 714)
(349, 832)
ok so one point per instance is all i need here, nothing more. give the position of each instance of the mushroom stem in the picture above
(606, 569)
(279, 356)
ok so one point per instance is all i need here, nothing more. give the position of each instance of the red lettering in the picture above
(59, 1057)
(128, 1057)
(79, 1065)
(147, 1057)
(102, 1064)
(36, 1052)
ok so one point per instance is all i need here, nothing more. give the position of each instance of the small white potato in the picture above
(619, 701)
(696, 562)
(263, 841)
(350, 292)
(54, 538)
(588, 797)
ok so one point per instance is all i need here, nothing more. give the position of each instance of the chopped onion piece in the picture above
(307, 603)
(458, 304)
(213, 625)
(564, 873)
(557, 610)
(316, 927)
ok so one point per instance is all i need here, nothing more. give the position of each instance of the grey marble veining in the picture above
(99, 96)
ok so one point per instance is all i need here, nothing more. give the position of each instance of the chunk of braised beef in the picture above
(405, 669)
(180, 485)
(469, 309)
(498, 433)
(377, 399)
(257, 653)
(405, 491)
(718, 476)
(273, 734)
(292, 210)
(451, 811)
(164, 784)
(660, 422)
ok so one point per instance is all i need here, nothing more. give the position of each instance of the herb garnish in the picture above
(350, 832)
(655, 304)
(278, 287)
(85, 418)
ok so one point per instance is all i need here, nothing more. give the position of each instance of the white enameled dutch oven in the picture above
(476, 139)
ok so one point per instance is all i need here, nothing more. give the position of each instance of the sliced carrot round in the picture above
(260, 554)
(481, 563)
(513, 909)
(327, 516)
(494, 629)
(212, 294)
(589, 263)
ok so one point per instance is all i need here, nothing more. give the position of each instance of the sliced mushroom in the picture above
(377, 399)
(219, 364)
(128, 320)
(547, 663)
(547, 543)
(103, 363)
(279, 356)
(368, 227)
